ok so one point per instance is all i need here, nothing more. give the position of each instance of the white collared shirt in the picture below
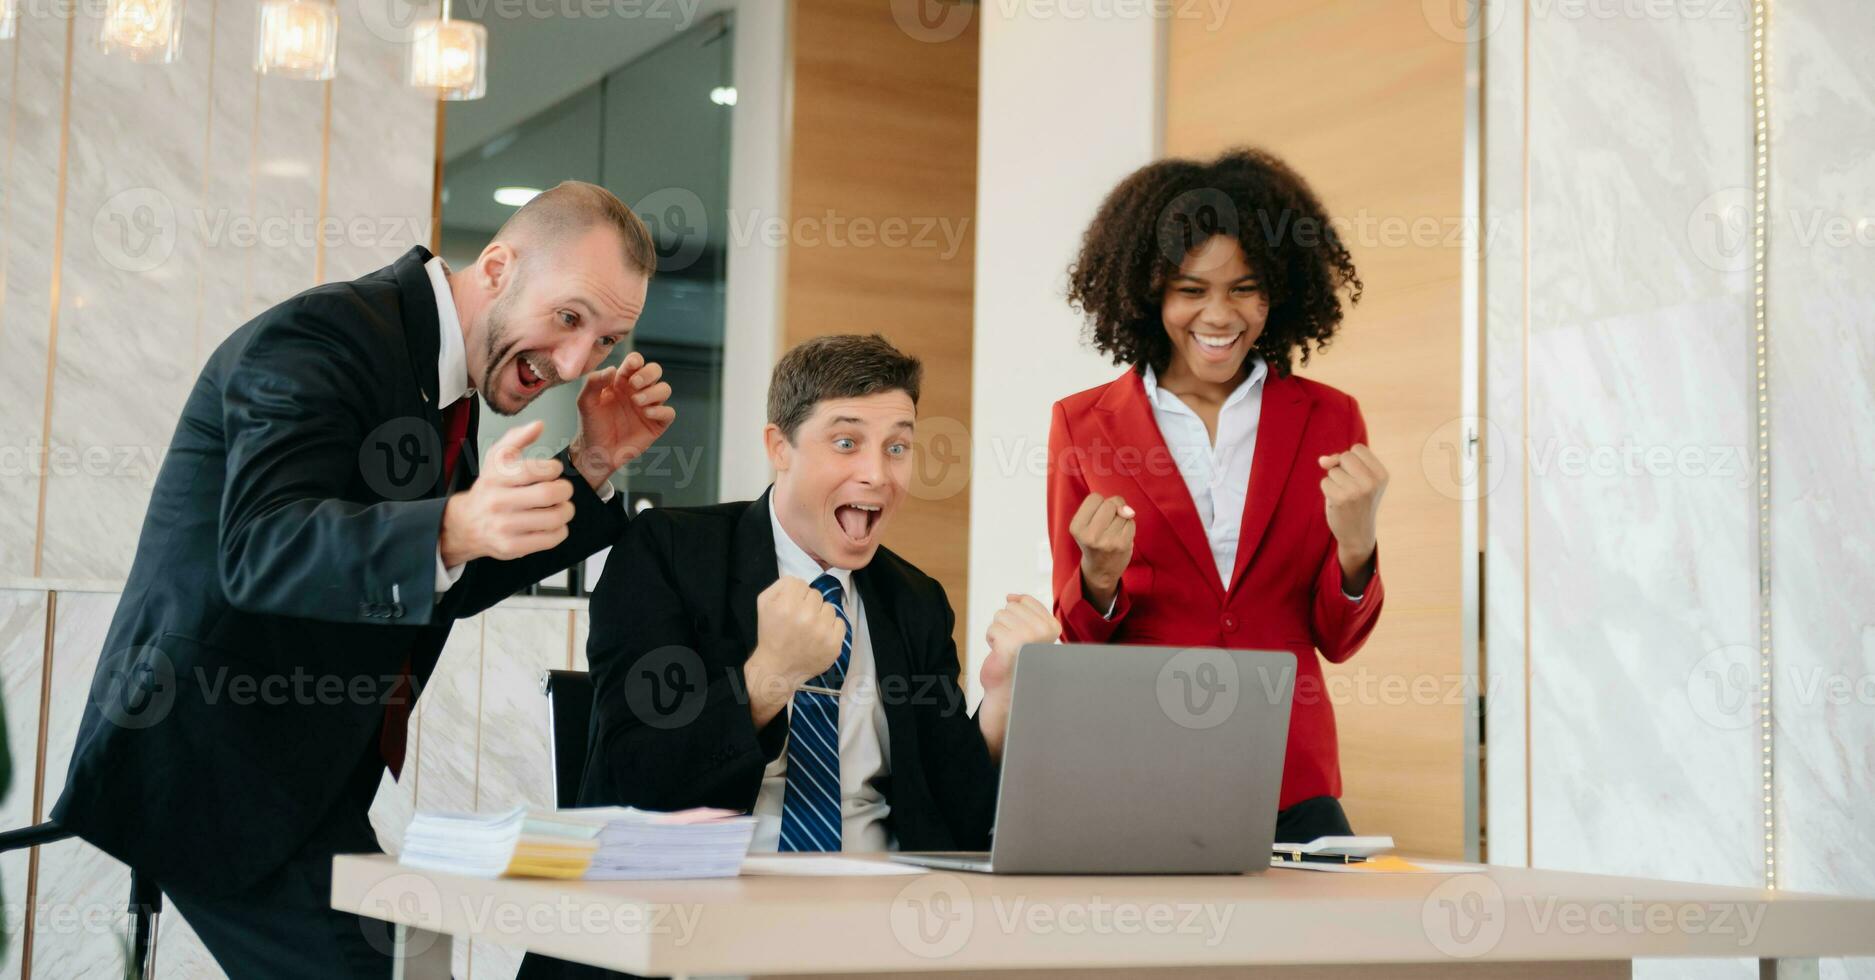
(865, 756)
(452, 379)
(1217, 474)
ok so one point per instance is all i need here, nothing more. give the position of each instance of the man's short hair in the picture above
(837, 366)
(571, 208)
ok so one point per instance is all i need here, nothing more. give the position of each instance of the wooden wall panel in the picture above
(1366, 101)
(884, 138)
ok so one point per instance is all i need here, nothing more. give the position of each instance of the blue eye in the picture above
(844, 443)
(568, 317)
(608, 342)
(898, 449)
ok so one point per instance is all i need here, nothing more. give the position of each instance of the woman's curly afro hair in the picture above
(1146, 226)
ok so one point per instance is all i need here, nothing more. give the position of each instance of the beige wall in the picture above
(1366, 101)
(145, 212)
(884, 137)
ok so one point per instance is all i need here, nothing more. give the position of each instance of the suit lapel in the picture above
(753, 567)
(1284, 414)
(1125, 418)
(422, 341)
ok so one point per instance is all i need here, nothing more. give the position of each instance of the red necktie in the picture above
(396, 730)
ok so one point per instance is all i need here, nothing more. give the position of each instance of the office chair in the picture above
(146, 899)
(569, 714)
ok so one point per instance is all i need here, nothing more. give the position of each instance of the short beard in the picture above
(497, 338)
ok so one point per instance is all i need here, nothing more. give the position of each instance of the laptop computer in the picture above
(1137, 760)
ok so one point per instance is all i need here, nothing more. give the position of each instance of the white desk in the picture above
(1501, 922)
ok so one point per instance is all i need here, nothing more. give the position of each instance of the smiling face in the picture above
(841, 478)
(554, 315)
(1214, 310)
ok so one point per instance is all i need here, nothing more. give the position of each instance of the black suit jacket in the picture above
(673, 621)
(284, 576)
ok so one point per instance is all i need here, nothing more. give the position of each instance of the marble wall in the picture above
(1622, 542)
(149, 210)
(1821, 296)
(146, 212)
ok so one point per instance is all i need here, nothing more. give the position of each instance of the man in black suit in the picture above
(319, 523)
(771, 656)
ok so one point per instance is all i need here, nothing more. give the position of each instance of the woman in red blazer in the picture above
(1207, 496)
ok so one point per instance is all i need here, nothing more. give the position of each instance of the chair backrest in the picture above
(569, 713)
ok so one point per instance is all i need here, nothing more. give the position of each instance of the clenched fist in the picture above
(1022, 620)
(798, 636)
(1352, 483)
(1103, 527)
(516, 507)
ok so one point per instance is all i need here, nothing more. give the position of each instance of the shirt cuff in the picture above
(606, 495)
(446, 575)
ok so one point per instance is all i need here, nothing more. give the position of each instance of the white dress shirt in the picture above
(865, 757)
(1218, 475)
(452, 379)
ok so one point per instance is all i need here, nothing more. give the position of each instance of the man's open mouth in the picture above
(524, 372)
(857, 520)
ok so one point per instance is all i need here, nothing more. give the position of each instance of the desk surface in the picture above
(945, 921)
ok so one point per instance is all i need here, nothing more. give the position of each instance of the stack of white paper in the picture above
(700, 843)
(591, 842)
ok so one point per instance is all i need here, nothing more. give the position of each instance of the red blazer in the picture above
(1285, 593)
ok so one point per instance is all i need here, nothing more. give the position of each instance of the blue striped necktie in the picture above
(810, 810)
